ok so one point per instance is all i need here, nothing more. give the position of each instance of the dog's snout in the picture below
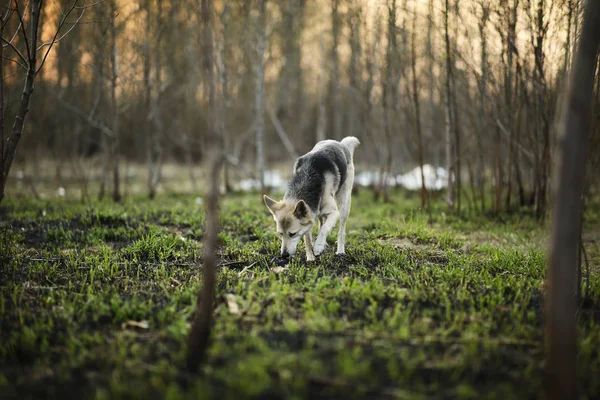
(285, 254)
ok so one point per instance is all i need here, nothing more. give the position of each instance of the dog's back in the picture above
(324, 168)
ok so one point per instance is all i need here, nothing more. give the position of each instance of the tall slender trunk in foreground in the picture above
(201, 325)
(560, 298)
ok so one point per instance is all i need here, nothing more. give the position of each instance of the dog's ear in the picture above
(301, 210)
(271, 204)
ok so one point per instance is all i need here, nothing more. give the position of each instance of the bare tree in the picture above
(417, 108)
(389, 102)
(448, 109)
(259, 100)
(510, 49)
(3, 175)
(353, 115)
(456, 120)
(575, 129)
(541, 105)
(289, 105)
(114, 76)
(221, 53)
(321, 106)
(153, 90)
(30, 63)
(483, 100)
(336, 109)
(568, 42)
(431, 112)
(207, 54)
(27, 59)
(371, 50)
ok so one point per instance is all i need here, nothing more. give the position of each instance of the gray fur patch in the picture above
(308, 183)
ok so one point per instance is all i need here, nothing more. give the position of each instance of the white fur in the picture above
(336, 206)
(350, 142)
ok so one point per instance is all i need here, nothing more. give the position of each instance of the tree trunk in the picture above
(115, 145)
(336, 109)
(483, 95)
(511, 23)
(354, 71)
(518, 128)
(188, 156)
(321, 112)
(208, 67)
(498, 171)
(431, 118)
(2, 176)
(473, 198)
(575, 127)
(449, 122)
(576, 18)
(388, 103)
(99, 61)
(155, 131)
(417, 109)
(148, 99)
(104, 165)
(289, 105)
(259, 93)
(570, 9)
(207, 59)
(543, 122)
(456, 119)
(225, 99)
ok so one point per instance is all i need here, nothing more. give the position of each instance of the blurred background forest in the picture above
(143, 91)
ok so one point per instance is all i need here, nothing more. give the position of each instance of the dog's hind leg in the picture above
(344, 200)
(310, 256)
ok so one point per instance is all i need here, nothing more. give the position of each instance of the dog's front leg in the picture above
(310, 256)
(330, 221)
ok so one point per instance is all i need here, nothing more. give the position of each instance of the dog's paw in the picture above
(318, 247)
(310, 258)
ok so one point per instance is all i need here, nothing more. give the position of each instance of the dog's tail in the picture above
(350, 142)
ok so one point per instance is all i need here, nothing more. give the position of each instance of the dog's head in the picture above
(293, 221)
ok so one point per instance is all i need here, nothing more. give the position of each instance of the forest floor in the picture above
(96, 300)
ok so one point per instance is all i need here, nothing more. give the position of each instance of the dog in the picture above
(320, 190)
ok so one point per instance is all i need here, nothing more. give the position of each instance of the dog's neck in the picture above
(314, 208)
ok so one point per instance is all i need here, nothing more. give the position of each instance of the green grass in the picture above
(96, 300)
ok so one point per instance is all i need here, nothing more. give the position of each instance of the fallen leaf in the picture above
(135, 324)
(232, 305)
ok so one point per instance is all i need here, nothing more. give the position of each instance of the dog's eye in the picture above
(292, 234)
